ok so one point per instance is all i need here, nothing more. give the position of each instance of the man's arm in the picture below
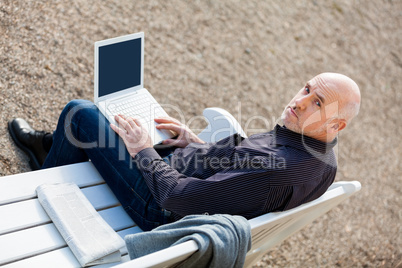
(233, 192)
(136, 137)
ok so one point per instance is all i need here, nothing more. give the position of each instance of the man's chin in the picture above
(288, 124)
(292, 126)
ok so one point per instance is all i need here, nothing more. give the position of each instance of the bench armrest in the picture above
(221, 124)
(163, 258)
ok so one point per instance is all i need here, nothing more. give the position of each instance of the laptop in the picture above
(119, 83)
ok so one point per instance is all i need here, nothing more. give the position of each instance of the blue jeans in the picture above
(83, 133)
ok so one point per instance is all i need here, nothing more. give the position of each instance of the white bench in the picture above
(28, 238)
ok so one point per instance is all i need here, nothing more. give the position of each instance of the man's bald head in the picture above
(349, 94)
(323, 107)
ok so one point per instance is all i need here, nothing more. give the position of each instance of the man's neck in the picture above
(321, 136)
(324, 137)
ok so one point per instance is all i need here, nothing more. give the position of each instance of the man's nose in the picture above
(301, 102)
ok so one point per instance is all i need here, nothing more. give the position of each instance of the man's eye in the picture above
(318, 103)
(307, 90)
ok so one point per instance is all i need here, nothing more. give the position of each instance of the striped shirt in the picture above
(267, 172)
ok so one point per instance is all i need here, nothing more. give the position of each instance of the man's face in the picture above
(308, 112)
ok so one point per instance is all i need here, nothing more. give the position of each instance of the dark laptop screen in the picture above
(119, 66)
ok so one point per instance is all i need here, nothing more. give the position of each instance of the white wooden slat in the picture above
(28, 242)
(63, 257)
(24, 214)
(17, 216)
(22, 186)
(100, 196)
(58, 258)
(117, 218)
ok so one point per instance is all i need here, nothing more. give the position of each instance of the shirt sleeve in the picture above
(232, 192)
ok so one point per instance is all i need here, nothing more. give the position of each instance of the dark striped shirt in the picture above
(273, 171)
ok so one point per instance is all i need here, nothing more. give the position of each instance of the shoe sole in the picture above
(33, 161)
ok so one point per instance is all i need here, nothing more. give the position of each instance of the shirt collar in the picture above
(290, 138)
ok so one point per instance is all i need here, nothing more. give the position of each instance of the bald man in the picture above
(274, 171)
(323, 107)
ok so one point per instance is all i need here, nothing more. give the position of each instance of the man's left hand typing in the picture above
(184, 134)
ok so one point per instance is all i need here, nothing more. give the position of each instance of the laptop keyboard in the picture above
(140, 106)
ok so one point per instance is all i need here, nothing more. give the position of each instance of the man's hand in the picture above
(134, 135)
(185, 135)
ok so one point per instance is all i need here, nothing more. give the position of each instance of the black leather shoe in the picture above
(29, 140)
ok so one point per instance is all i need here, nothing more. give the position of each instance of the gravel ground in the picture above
(249, 57)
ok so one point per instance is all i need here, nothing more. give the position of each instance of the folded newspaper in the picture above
(89, 237)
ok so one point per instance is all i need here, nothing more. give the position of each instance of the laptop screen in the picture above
(119, 66)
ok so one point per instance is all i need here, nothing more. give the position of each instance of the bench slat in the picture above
(29, 242)
(65, 258)
(22, 186)
(117, 218)
(55, 258)
(45, 238)
(62, 256)
(22, 215)
(29, 213)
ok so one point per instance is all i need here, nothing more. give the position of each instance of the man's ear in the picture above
(336, 125)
